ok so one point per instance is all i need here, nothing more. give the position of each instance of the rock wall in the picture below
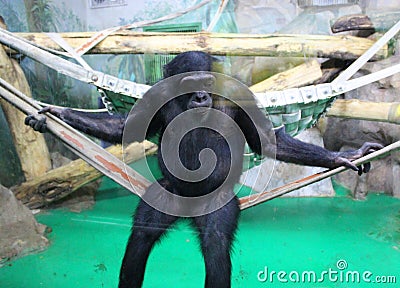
(20, 233)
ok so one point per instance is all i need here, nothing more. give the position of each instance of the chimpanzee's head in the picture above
(200, 83)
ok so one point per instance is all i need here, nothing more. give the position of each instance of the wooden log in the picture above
(298, 76)
(62, 181)
(30, 146)
(276, 45)
(365, 110)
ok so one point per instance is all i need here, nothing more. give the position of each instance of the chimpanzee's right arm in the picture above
(100, 125)
(104, 126)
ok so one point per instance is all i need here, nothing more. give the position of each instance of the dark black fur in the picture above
(216, 230)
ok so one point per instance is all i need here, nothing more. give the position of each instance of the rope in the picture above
(60, 41)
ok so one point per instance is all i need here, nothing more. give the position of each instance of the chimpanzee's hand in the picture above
(345, 158)
(38, 122)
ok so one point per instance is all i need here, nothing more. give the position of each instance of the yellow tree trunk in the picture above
(30, 145)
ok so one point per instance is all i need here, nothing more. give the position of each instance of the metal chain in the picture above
(106, 101)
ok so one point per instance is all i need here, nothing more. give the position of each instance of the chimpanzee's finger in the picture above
(360, 170)
(28, 119)
(44, 110)
(367, 167)
(369, 147)
(43, 128)
(31, 121)
(40, 124)
(347, 163)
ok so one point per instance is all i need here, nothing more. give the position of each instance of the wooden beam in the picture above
(365, 110)
(292, 78)
(276, 45)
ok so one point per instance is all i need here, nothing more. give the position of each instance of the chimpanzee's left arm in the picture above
(289, 149)
(292, 150)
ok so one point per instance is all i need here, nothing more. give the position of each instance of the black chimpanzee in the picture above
(216, 225)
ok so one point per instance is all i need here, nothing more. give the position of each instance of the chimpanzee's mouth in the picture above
(198, 105)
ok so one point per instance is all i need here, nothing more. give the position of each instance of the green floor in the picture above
(296, 236)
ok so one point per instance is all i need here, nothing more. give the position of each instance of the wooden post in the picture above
(30, 146)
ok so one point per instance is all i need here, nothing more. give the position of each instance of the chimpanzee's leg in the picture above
(216, 232)
(149, 225)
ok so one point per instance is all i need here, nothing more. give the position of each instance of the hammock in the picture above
(297, 109)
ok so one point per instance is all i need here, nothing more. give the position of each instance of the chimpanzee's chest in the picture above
(202, 157)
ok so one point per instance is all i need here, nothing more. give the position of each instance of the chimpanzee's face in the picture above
(201, 84)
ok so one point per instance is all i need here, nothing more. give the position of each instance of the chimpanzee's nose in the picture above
(200, 99)
(201, 96)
